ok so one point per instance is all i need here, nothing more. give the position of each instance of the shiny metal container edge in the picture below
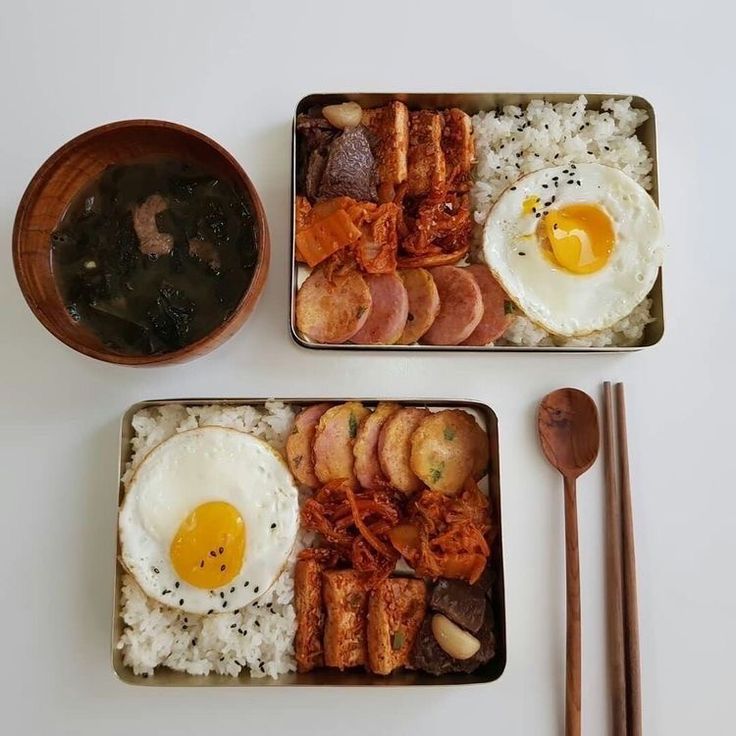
(473, 102)
(323, 677)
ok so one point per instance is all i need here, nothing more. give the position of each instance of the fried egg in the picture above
(209, 520)
(576, 247)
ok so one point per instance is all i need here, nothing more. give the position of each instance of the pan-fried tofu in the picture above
(310, 615)
(426, 164)
(458, 148)
(346, 601)
(396, 610)
(389, 129)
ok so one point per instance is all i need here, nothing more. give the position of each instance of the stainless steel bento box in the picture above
(486, 673)
(471, 102)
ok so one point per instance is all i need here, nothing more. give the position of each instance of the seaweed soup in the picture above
(154, 255)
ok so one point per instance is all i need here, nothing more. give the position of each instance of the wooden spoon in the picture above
(568, 429)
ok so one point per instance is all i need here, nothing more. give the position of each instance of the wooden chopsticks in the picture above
(623, 614)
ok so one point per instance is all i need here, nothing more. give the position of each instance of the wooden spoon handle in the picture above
(573, 695)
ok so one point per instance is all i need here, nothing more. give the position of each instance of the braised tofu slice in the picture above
(458, 148)
(346, 603)
(310, 616)
(426, 160)
(395, 613)
(389, 130)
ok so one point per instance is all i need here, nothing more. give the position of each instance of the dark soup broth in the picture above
(155, 255)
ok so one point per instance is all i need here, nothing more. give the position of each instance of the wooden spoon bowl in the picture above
(73, 167)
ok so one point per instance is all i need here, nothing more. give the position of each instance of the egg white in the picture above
(562, 302)
(192, 468)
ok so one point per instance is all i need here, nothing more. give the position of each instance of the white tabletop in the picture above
(235, 71)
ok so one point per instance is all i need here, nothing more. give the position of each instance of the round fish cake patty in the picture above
(332, 311)
(299, 444)
(334, 439)
(394, 448)
(424, 303)
(443, 450)
(367, 466)
(388, 312)
(495, 320)
(461, 306)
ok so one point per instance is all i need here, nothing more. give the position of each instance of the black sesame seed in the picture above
(555, 178)
(546, 127)
(224, 604)
(145, 675)
(232, 590)
(607, 148)
(268, 605)
(565, 171)
(176, 584)
(184, 627)
(246, 584)
(155, 569)
(165, 591)
(186, 620)
(273, 526)
(222, 594)
(539, 214)
(245, 632)
(213, 553)
(555, 226)
(232, 626)
(571, 181)
(513, 189)
(181, 601)
(212, 610)
(537, 155)
(260, 667)
(578, 183)
(221, 550)
(201, 563)
(522, 253)
(258, 623)
(575, 113)
(582, 127)
(557, 155)
(222, 659)
(534, 209)
(194, 642)
(222, 568)
(553, 198)
(547, 204)
(544, 186)
(255, 590)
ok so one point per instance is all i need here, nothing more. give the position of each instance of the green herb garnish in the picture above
(449, 434)
(353, 425)
(398, 640)
(435, 473)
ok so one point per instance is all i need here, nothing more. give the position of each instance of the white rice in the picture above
(258, 638)
(516, 141)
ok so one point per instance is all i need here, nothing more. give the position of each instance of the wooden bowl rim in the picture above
(205, 344)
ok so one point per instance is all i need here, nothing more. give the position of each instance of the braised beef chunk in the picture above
(315, 169)
(429, 657)
(314, 136)
(462, 603)
(351, 169)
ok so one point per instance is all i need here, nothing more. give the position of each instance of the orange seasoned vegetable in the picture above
(446, 536)
(326, 236)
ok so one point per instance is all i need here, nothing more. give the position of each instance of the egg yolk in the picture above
(579, 237)
(208, 548)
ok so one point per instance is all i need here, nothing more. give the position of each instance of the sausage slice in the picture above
(299, 444)
(424, 303)
(461, 306)
(332, 311)
(367, 466)
(495, 320)
(388, 312)
(394, 448)
(334, 439)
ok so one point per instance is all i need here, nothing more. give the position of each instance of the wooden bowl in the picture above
(73, 167)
